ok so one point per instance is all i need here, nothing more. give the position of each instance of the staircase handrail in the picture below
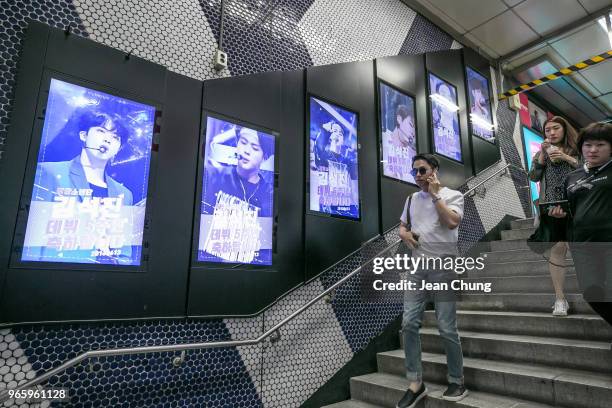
(215, 344)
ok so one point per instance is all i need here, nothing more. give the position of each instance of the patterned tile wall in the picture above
(259, 36)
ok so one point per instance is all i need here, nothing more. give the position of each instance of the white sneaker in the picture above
(560, 308)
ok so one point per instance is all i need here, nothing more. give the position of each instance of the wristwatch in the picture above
(436, 199)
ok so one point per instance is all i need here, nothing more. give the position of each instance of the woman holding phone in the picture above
(556, 159)
(589, 192)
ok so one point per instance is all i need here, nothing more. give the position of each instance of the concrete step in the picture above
(524, 223)
(508, 245)
(573, 326)
(544, 384)
(521, 302)
(522, 233)
(385, 390)
(521, 284)
(352, 404)
(514, 256)
(577, 354)
(517, 268)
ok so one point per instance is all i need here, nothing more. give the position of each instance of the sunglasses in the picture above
(421, 170)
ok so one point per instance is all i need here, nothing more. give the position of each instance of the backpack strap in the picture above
(408, 221)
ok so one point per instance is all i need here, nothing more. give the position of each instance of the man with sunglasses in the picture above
(429, 227)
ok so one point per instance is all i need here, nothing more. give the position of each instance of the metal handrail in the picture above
(217, 344)
(188, 346)
(503, 169)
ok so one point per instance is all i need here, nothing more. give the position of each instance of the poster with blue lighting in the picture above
(445, 118)
(532, 143)
(334, 182)
(237, 207)
(480, 105)
(90, 188)
(397, 122)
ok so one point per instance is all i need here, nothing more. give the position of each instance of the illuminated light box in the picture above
(237, 207)
(90, 187)
(444, 118)
(480, 105)
(532, 143)
(398, 133)
(333, 163)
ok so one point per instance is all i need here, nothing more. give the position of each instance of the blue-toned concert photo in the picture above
(445, 118)
(237, 209)
(480, 105)
(89, 197)
(397, 121)
(334, 182)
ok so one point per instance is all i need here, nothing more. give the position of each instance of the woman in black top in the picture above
(589, 192)
(550, 166)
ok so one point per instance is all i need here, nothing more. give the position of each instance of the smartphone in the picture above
(545, 207)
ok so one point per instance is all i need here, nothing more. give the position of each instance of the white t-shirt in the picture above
(435, 239)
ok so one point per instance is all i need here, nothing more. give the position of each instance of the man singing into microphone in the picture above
(237, 199)
(101, 135)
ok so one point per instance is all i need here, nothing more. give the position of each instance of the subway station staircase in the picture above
(516, 354)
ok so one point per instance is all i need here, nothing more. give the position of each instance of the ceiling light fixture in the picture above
(604, 23)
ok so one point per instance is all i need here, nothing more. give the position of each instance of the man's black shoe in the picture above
(410, 398)
(455, 392)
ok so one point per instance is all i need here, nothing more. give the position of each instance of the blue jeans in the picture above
(446, 314)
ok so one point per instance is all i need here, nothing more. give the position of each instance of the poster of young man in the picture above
(538, 116)
(397, 121)
(334, 182)
(90, 188)
(480, 105)
(237, 208)
(445, 118)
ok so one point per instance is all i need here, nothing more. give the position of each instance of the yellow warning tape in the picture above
(561, 73)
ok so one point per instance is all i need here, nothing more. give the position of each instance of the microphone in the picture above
(101, 149)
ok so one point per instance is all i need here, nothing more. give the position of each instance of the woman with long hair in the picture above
(556, 159)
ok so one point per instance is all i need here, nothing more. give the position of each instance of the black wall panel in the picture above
(33, 294)
(448, 66)
(171, 284)
(329, 239)
(484, 152)
(407, 74)
(273, 101)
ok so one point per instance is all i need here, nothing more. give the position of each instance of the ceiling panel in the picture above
(607, 100)
(600, 76)
(505, 33)
(547, 16)
(591, 40)
(538, 51)
(469, 13)
(577, 99)
(586, 85)
(567, 109)
(594, 5)
(480, 44)
(512, 3)
(535, 71)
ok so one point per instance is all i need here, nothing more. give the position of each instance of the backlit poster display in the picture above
(398, 131)
(334, 181)
(480, 105)
(237, 207)
(445, 118)
(90, 187)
